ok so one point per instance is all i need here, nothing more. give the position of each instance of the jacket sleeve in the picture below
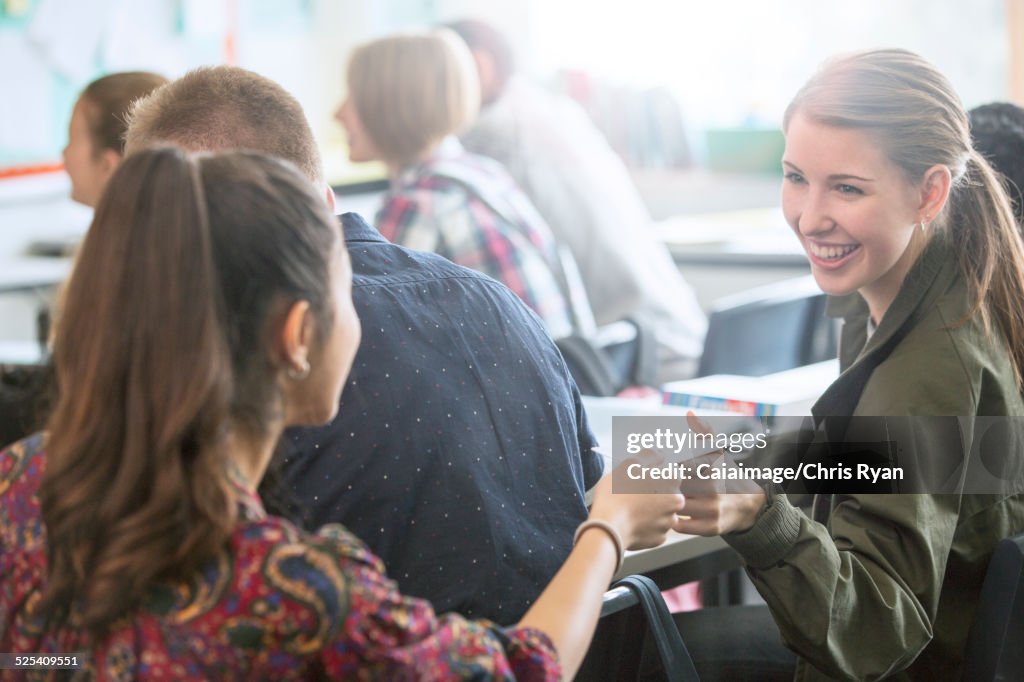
(856, 598)
(857, 595)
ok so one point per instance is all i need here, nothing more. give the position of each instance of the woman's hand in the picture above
(718, 507)
(642, 519)
(568, 609)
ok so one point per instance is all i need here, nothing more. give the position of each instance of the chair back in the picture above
(616, 356)
(632, 612)
(25, 397)
(995, 646)
(769, 329)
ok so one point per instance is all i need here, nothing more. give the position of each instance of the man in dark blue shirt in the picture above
(461, 452)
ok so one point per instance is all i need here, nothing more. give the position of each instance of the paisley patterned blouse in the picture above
(275, 604)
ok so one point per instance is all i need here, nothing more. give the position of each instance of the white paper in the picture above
(67, 34)
(26, 107)
(140, 35)
(205, 19)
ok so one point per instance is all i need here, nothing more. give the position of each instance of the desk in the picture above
(33, 208)
(682, 559)
(27, 284)
(727, 252)
(20, 353)
(38, 208)
(758, 236)
(27, 273)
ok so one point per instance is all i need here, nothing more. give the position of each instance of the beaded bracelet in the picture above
(612, 533)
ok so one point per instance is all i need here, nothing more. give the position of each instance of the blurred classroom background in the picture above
(690, 94)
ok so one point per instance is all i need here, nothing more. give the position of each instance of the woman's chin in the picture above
(830, 286)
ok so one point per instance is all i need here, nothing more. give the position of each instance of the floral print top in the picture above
(274, 604)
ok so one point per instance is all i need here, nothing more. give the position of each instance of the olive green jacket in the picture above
(885, 585)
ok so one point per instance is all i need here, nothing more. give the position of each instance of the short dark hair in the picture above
(997, 130)
(108, 100)
(219, 108)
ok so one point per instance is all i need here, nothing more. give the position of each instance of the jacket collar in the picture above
(930, 276)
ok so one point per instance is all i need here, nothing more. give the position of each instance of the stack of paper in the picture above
(789, 393)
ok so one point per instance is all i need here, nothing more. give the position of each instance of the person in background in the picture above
(997, 130)
(407, 97)
(461, 452)
(96, 131)
(908, 226)
(94, 150)
(585, 194)
(133, 535)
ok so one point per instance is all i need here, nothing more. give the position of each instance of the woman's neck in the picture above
(449, 144)
(881, 293)
(250, 454)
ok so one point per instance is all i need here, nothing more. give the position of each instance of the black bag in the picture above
(634, 611)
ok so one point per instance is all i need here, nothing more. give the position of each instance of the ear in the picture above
(109, 160)
(295, 336)
(934, 190)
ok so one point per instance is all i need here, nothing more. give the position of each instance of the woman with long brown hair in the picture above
(210, 306)
(94, 150)
(96, 130)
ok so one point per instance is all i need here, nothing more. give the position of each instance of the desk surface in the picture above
(26, 272)
(679, 551)
(758, 236)
(41, 210)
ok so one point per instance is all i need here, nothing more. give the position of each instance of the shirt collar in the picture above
(356, 229)
(449, 148)
(929, 277)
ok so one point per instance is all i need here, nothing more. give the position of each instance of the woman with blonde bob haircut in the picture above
(911, 231)
(431, 92)
(216, 291)
(408, 95)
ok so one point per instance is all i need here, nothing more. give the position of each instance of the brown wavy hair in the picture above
(160, 351)
(917, 118)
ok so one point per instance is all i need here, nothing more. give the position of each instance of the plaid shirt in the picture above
(467, 209)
